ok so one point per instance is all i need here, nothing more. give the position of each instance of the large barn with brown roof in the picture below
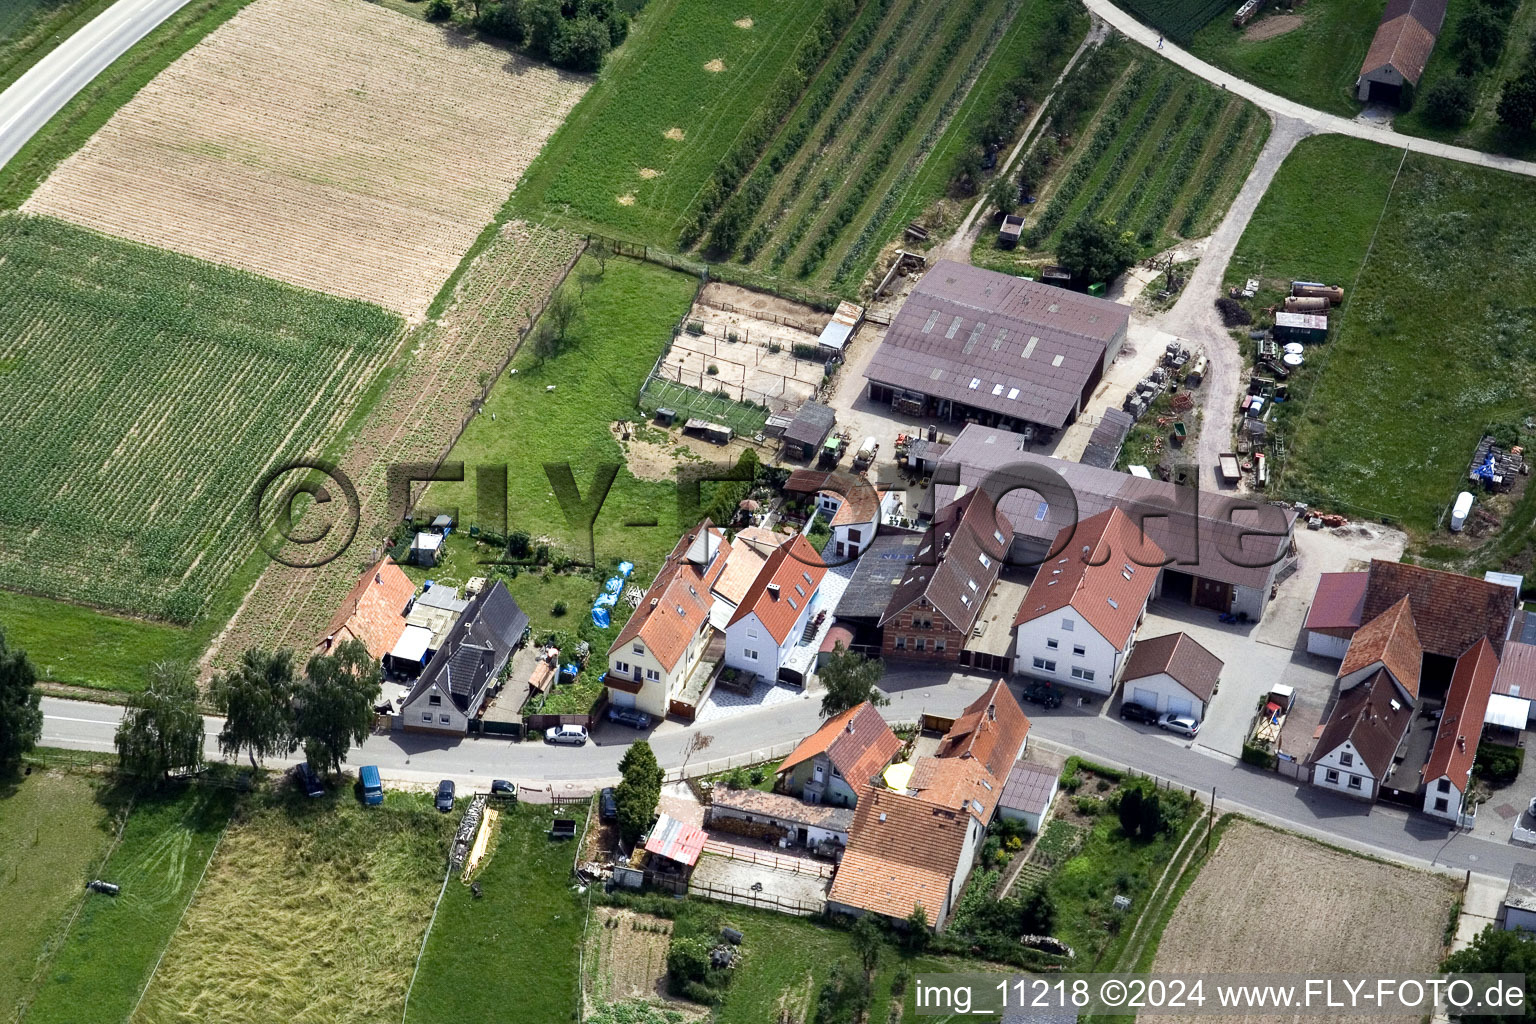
(1399, 51)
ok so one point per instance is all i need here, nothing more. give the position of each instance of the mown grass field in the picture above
(53, 833)
(875, 139)
(512, 952)
(81, 646)
(1434, 341)
(114, 942)
(596, 172)
(1162, 157)
(301, 895)
(143, 395)
(1315, 64)
(628, 309)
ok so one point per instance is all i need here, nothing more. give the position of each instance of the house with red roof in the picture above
(777, 609)
(1078, 620)
(835, 763)
(848, 502)
(1448, 772)
(373, 611)
(1172, 674)
(664, 641)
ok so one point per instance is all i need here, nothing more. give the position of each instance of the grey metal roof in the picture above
(475, 650)
(1522, 888)
(877, 574)
(1015, 347)
(811, 425)
(1029, 788)
(1217, 536)
(444, 597)
(1108, 438)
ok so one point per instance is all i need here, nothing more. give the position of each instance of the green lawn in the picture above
(97, 102)
(628, 315)
(53, 834)
(512, 953)
(73, 644)
(113, 945)
(1315, 64)
(1435, 340)
(654, 84)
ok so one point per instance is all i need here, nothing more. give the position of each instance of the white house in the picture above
(1172, 674)
(848, 503)
(836, 762)
(773, 615)
(451, 690)
(664, 640)
(1078, 619)
(1027, 794)
(1449, 769)
(1335, 613)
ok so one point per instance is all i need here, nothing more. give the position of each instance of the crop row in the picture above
(1137, 192)
(1130, 145)
(1177, 19)
(896, 132)
(1178, 177)
(1216, 173)
(1077, 176)
(739, 210)
(760, 129)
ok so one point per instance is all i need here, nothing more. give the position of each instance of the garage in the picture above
(1213, 594)
(1172, 674)
(1337, 606)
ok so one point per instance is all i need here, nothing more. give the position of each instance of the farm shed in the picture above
(426, 549)
(800, 823)
(1301, 327)
(975, 345)
(1520, 900)
(1336, 610)
(1027, 794)
(676, 841)
(834, 336)
(1516, 678)
(1399, 51)
(923, 455)
(1108, 438)
(810, 427)
(1172, 674)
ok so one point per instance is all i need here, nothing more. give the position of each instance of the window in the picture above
(1085, 674)
(1044, 665)
(1347, 759)
(922, 643)
(1053, 644)
(443, 719)
(751, 632)
(426, 716)
(1079, 650)
(922, 621)
(751, 655)
(621, 667)
(938, 645)
(652, 674)
(1066, 624)
(639, 648)
(436, 700)
(1354, 782)
(1440, 804)
(1331, 776)
(1444, 786)
(986, 563)
(901, 643)
(854, 536)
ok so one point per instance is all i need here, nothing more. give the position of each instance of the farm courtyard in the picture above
(329, 144)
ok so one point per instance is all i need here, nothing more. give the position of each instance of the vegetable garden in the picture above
(142, 395)
(1179, 20)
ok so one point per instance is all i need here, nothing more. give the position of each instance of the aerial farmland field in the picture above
(142, 394)
(328, 144)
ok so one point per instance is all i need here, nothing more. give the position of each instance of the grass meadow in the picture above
(558, 410)
(515, 946)
(1434, 340)
(302, 894)
(1315, 64)
(632, 157)
(54, 832)
(112, 945)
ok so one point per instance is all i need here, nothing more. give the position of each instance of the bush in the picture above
(1071, 782)
(1497, 765)
(695, 327)
(713, 370)
(1233, 314)
(1449, 102)
(558, 610)
(1089, 805)
(1258, 755)
(438, 10)
(758, 775)
(775, 348)
(805, 350)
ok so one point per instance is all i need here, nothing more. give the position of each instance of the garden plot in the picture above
(764, 372)
(325, 143)
(1276, 902)
(629, 953)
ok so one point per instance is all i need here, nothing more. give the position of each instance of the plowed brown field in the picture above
(329, 144)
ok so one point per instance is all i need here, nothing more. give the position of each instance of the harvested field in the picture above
(1280, 903)
(325, 143)
(416, 420)
(629, 954)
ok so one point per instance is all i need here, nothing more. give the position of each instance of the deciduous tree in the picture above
(162, 731)
(21, 716)
(850, 679)
(334, 708)
(1517, 103)
(256, 700)
(1095, 250)
(1495, 951)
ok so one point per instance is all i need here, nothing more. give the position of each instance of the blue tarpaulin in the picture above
(600, 617)
(614, 585)
(570, 670)
(625, 568)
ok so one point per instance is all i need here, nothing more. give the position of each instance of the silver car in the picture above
(1181, 724)
(575, 735)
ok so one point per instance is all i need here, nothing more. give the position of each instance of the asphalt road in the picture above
(53, 81)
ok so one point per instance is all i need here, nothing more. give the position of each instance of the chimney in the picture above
(1461, 743)
(947, 537)
(773, 591)
(378, 577)
(1086, 550)
(991, 712)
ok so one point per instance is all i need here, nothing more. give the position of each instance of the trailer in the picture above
(1227, 463)
(865, 455)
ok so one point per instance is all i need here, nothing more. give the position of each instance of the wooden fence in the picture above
(761, 314)
(767, 858)
(755, 898)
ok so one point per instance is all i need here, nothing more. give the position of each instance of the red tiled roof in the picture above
(1108, 586)
(903, 852)
(1372, 719)
(1450, 611)
(1178, 654)
(374, 610)
(741, 568)
(1404, 44)
(857, 742)
(1391, 640)
(1461, 723)
(1338, 601)
(677, 603)
(859, 501)
(796, 570)
(991, 730)
(959, 783)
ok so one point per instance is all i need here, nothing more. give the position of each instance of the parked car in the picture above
(308, 780)
(373, 786)
(607, 805)
(575, 735)
(1043, 694)
(501, 789)
(1134, 712)
(630, 717)
(445, 796)
(1181, 724)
